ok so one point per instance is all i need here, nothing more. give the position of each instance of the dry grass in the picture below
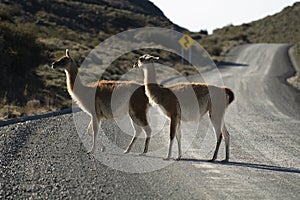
(49, 27)
(32, 107)
(82, 26)
(282, 27)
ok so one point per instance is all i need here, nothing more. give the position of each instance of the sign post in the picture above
(186, 42)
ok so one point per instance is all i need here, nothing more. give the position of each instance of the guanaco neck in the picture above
(149, 75)
(151, 86)
(71, 73)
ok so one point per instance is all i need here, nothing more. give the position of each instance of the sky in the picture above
(196, 15)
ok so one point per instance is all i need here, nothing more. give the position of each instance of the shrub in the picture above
(19, 52)
(216, 51)
(204, 32)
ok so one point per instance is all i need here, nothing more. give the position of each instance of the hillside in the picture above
(33, 33)
(282, 27)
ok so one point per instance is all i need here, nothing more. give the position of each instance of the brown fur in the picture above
(95, 99)
(211, 99)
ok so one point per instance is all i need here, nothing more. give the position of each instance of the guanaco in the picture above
(211, 99)
(95, 99)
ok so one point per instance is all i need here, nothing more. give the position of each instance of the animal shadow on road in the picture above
(248, 165)
(224, 64)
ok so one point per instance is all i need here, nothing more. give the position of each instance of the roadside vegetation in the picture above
(34, 33)
(295, 58)
(282, 27)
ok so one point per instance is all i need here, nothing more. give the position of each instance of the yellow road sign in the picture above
(186, 41)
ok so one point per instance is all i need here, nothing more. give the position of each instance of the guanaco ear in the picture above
(68, 53)
(152, 57)
(148, 57)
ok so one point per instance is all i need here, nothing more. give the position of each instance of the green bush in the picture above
(216, 51)
(19, 50)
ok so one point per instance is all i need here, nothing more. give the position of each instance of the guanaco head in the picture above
(63, 62)
(145, 59)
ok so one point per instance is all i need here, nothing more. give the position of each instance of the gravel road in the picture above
(45, 158)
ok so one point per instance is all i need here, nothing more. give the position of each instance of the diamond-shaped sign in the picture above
(186, 41)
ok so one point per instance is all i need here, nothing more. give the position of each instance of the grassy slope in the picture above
(81, 25)
(54, 26)
(282, 27)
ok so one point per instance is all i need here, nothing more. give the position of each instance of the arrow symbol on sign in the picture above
(186, 41)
